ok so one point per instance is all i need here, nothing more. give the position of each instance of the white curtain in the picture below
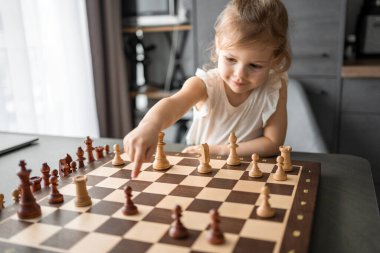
(46, 81)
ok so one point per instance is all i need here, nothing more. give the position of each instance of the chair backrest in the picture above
(303, 132)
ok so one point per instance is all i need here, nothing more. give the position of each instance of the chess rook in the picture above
(285, 153)
(160, 161)
(82, 198)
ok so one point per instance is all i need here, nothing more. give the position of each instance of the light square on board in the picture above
(151, 231)
(112, 182)
(201, 244)
(35, 234)
(217, 164)
(104, 171)
(149, 176)
(160, 188)
(169, 202)
(131, 166)
(248, 186)
(213, 194)
(143, 211)
(264, 167)
(45, 211)
(235, 210)
(196, 181)
(70, 189)
(174, 159)
(292, 180)
(167, 248)
(195, 220)
(96, 242)
(278, 201)
(229, 174)
(263, 230)
(118, 195)
(180, 170)
(71, 206)
(87, 222)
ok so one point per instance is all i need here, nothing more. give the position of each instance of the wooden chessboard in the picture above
(103, 228)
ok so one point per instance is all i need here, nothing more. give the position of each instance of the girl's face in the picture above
(244, 68)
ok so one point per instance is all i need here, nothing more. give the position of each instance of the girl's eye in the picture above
(255, 66)
(229, 59)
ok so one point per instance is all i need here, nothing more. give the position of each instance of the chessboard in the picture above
(102, 226)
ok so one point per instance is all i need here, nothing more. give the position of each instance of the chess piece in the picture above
(129, 207)
(177, 229)
(117, 160)
(160, 161)
(99, 152)
(89, 149)
(2, 201)
(28, 208)
(265, 210)
(73, 166)
(280, 174)
(81, 158)
(285, 153)
(255, 170)
(68, 159)
(204, 160)
(215, 235)
(66, 170)
(107, 149)
(35, 183)
(16, 195)
(45, 171)
(233, 158)
(61, 166)
(55, 197)
(82, 198)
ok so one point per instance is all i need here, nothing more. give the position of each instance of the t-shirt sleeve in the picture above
(272, 95)
(209, 82)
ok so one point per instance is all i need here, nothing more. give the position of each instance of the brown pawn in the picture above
(107, 149)
(215, 235)
(129, 207)
(81, 158)
(55, 197)
(99, 152)
(28, 208)
(16, 195)
(73, 166)
(45, 171)
(89, 150)
(177, 229)
(35, 183)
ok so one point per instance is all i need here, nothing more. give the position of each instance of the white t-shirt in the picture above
(217, 118)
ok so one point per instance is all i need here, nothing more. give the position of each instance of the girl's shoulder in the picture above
(276, 80)
(209, 77)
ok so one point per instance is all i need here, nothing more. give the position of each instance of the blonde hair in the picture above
(244, 22)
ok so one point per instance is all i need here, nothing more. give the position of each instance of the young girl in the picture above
(246, 93)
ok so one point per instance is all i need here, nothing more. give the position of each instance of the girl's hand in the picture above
(140, 145)
(191, 149)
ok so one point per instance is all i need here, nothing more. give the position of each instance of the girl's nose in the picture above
(239, 71)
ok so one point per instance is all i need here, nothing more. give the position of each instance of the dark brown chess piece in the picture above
(177, 229)
(55, 197)
(73, 166)
(107, 149)
(81, 158)
(45, 170)
(28, 208)
(129, 207)
(35, 183)
(66, 170)
(68, 159)
(89, 150)
(215, 235)
(99, 152)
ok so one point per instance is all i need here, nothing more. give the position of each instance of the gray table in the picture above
(346, 217)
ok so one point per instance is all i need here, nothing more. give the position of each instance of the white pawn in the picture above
(255, 170)
(265, 210)
(204, 160)
(117, 160)
(280, 174)
(233, 158)
(285, 153)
